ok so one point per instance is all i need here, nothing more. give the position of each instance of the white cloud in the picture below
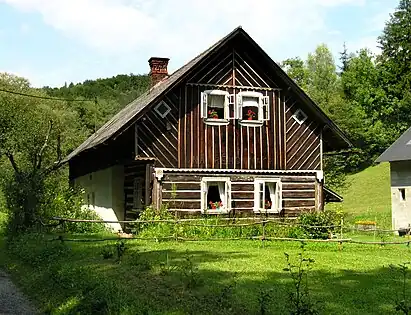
(181, 29)
(119, 26)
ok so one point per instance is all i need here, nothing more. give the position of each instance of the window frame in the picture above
(158, 112)
(403, 194)
(263, 107)
(205, 182)
(278, 195)
(298, 111)
(228, 99)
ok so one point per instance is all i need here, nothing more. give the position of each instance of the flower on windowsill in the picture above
(250, 114)
(215, 205)
(268, 204)
(212, 113)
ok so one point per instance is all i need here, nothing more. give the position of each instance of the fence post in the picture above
(263, 237)
(176, 230)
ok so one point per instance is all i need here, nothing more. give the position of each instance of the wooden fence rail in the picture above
(256, 221)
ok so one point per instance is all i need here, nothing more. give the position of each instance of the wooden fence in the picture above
(237, 223)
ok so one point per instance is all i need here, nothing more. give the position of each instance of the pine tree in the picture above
(344, 58)
(395, 65)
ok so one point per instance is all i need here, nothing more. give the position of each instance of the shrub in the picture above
(319, 225)
(67, 203)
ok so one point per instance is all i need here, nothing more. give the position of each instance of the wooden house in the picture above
(227, 133)
(399, 157)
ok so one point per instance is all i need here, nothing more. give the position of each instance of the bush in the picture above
(319, 225)
(67, 203)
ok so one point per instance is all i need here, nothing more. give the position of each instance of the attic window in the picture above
(162, 109)
(215, 106)
(252, 107)
(300, 116)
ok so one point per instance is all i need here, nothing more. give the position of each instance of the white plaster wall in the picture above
(401, 179)
(107, 186)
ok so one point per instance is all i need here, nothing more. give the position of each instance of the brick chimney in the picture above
(158, 69)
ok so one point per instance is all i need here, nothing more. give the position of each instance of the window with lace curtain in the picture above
(215, 195)
(267, 195)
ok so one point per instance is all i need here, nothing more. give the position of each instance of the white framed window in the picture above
(162, 109)
(267, 195)
(252, 107)
(299, 116)
(215, 106)
(215, 195)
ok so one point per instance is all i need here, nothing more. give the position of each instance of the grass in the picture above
(200, 278)
(368, 196)
(227, 277)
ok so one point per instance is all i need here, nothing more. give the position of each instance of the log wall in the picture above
(183, 192)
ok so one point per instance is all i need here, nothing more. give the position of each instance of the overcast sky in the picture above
(55, 41)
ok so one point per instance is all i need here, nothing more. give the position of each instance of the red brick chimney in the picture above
(158, 69)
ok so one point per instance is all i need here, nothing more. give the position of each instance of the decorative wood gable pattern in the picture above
(232, 146)
(303, 141)
(158, 136)
(182, 139)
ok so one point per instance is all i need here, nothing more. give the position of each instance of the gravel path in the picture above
(12, 301)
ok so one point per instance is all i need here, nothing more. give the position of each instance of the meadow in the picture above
(216, 277)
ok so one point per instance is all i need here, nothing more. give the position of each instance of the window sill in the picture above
(267, 211)
(212, 211)
(252, 123)
(216, 122)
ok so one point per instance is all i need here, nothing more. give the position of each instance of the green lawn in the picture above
(223, 277)
(74, 278)
(368, 196)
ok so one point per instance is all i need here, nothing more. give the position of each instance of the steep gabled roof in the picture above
(127, 115)
(400, 150)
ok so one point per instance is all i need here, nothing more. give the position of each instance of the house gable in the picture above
(281, 142)
(176, 140)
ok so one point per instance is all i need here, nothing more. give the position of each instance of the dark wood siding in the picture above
(303, 143)
(157, 136)
(182, 139)
(182, 192)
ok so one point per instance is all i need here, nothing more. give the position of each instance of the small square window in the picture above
(162, 109)
(267, 196)
(300, 116)
(402, 194)
(215, 195)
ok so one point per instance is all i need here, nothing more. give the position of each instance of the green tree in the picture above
(297, 70)
(322, 77)
(34, 136)
(395, 68)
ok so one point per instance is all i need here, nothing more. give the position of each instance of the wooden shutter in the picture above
(265, 104)
(204, 196)
(204, 102)
(239, 106)
(231, 104)
(228, 194)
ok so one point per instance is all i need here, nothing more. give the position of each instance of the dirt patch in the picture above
(12, 301)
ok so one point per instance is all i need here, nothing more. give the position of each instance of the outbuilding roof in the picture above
(400, 150)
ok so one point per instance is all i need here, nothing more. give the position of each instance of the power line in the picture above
(47, 97)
